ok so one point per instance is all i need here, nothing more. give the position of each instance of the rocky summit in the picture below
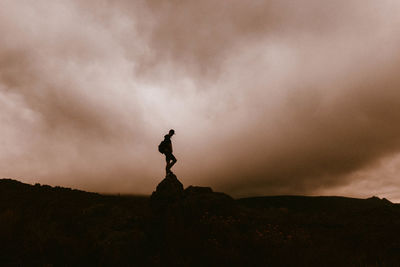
(170, 194)
(168, 190)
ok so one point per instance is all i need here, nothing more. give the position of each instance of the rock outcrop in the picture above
(168, 191)
(191, 202)
(200, 200)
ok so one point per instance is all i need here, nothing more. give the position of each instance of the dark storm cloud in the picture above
(309, 90)
(267, 97)
(73, 99)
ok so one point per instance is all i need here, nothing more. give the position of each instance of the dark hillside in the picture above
(42, 225)
(53, 226)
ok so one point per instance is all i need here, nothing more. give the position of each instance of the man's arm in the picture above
(170, 147)
(168, 144)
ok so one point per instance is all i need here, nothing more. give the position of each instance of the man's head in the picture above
(171, 132)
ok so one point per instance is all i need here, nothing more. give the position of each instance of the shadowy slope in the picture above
(43, 225)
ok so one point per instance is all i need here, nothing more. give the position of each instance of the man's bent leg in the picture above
(168, 161)
(173, 161)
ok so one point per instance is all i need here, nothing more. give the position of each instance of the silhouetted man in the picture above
(169, 157)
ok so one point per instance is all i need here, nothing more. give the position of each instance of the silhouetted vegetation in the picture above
(52, 226)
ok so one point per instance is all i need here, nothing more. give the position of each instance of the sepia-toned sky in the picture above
(266, 96)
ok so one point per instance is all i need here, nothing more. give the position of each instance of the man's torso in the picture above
(168, 144)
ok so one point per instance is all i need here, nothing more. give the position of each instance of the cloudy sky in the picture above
(266, 96)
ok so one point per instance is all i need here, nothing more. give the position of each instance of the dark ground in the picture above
(52, 226)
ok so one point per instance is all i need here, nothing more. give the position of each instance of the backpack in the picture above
(162, 147)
